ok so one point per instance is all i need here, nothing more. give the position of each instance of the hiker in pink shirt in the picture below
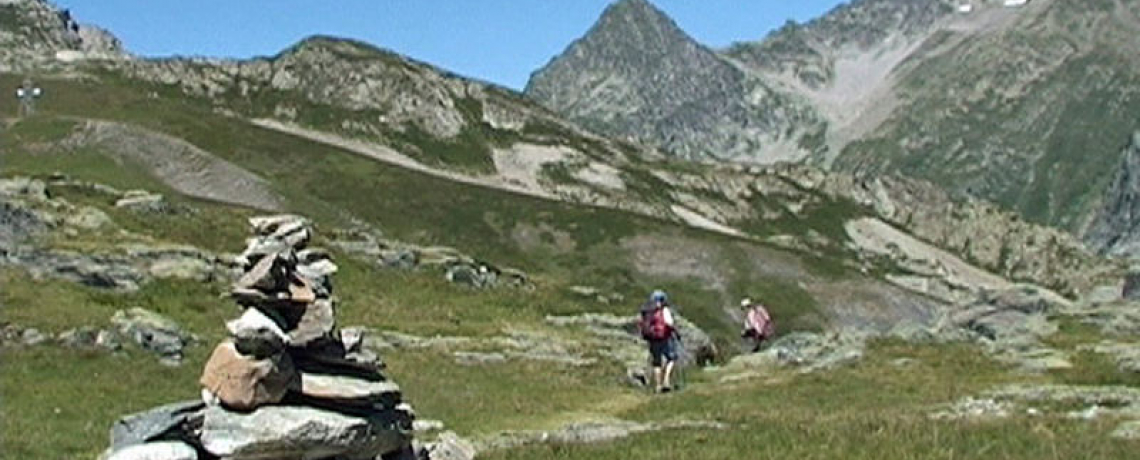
(758, 324)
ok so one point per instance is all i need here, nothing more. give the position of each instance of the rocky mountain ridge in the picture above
(378, 101)
(929, 89)
(34, 34)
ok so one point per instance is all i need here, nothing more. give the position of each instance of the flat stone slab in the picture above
(295, 432)
(349, 390)
(147, 426)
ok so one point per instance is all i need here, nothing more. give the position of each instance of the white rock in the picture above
(172, 450)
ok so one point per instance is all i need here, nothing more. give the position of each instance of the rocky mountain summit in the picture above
(637, 75)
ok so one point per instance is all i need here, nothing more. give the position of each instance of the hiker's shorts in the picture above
(662, 350)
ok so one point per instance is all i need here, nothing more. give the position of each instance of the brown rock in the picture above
(243, 382)
(301, 291)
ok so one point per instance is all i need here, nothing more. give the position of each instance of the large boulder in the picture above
(699, 348)
(809, 351)
(1013, 314)
(152, 332)
(245, 382)
(294, 432)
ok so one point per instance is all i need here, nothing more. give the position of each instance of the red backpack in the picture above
(653, 325)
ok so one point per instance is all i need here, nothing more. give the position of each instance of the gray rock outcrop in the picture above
(1116, 227)
(455, 266)
(152, 332)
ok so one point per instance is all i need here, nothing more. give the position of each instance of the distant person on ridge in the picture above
(758, 324)
(657, 328)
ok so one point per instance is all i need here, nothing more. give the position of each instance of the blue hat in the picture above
(658, 296)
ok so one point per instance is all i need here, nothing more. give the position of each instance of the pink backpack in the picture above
(759, 320)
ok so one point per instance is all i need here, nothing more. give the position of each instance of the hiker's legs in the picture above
(669, 353)
(657, 358)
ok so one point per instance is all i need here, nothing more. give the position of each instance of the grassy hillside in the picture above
(876, 409)
(559, 244)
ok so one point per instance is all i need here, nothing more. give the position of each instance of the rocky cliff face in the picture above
(1115, 229)
(637, 75)
(811, 52)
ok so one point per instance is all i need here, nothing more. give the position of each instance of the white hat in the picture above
(745, 302)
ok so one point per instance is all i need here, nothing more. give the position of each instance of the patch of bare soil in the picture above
(179, 164)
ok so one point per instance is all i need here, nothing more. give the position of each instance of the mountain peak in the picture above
(637, 75)
(636, 23)
(633, 8)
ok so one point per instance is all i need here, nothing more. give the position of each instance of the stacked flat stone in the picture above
(286, 384)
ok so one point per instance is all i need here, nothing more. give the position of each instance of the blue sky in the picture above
(500, 41)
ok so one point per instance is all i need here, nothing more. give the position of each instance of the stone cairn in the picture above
(286, 384)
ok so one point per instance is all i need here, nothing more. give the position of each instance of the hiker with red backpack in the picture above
(657, 328)
(758, 324)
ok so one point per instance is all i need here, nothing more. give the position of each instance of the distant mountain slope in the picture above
(1028, 105)
(636, 74)
(334, 95)
(844, 61)
(1031, 112)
